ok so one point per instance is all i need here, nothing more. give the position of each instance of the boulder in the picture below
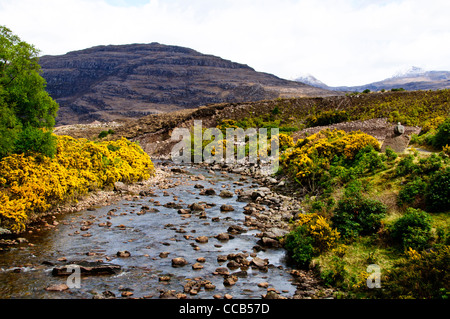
(232, 264)
(226, 208)
(222, 236)
(258, 262)
(257, 194)
(123, 253)
(179, 262)
(269, 242)
(275, 232)
(230, 280)
(272, 295)
(399, 129)
(235, 229)
(222, 258)
(222, 271)
(197, 207)
(201, 239)
(226, 194)
(197, 266)
(245, 195)
(210, 191)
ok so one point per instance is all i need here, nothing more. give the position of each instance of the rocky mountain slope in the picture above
(411, 80)
(113, 82)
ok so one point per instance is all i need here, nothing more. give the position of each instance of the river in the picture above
(148, 230)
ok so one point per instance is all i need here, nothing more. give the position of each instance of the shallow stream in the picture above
(26, 269)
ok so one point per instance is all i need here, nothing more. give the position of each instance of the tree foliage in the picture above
(26, 109)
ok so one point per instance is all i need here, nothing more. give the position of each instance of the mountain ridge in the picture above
(412, 79)
(113, 82)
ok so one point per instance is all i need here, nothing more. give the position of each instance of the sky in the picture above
(340, 42)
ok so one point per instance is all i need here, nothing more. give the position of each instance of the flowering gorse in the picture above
(31, 184)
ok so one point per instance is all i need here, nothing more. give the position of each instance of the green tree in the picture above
(26, 109)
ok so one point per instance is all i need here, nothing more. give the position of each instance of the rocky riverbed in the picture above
(190, 232)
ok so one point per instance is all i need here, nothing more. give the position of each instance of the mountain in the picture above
(411, 79)
(311, 80)
(114, 82)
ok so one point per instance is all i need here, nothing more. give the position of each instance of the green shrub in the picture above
(300, 245)
(406, 166)
(326, 118)
(390, 154)
(429, 164)
(276, 110)
(421, 275)
(335, 273)
(356, 215)
(33, 139)
(437, 196)
(103, 134)
(413, 229)
(442, 136)
(413, 193)
(369, 159)
(311, 236)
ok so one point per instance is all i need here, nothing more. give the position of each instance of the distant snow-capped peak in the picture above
(409, 72)
(309, 79)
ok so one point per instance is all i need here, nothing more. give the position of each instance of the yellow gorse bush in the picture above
(312, 155)
(32, 184)
(285, 141)
(325, 237)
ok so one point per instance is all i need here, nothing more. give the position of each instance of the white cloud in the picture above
(340, 42)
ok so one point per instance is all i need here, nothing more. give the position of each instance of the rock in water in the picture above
(60, 287)
(179, 262)
(201, 239)
(123, 253)
(226, 208)
(226, 194)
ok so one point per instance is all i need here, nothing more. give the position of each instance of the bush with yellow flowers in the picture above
(310, 157)
(312, 235)
(285, 141)
(31, 184)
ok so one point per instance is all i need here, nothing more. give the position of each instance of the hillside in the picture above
(294, 114)
(113, 82)
(410, 80)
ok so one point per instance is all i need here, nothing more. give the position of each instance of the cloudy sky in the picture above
(340, 42)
